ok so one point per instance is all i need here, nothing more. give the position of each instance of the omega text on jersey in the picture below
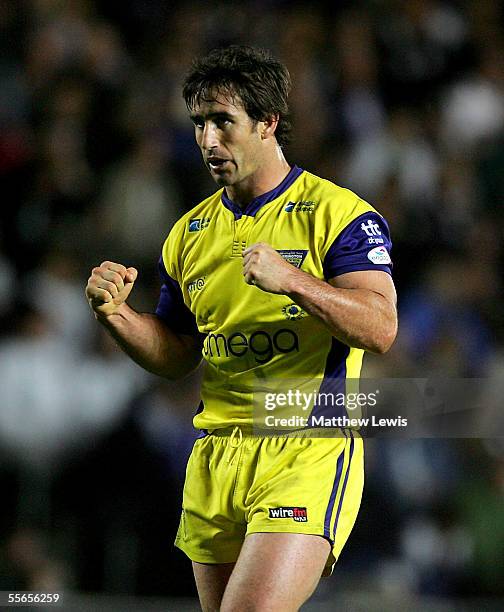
(263, 345)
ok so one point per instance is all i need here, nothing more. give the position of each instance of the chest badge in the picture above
(294, 257)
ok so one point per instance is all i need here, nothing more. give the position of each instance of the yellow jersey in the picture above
(248, 335)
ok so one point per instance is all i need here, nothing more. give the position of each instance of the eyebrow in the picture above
(216, 115)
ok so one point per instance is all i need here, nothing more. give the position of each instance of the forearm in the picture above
(151, 344)
(359, 318)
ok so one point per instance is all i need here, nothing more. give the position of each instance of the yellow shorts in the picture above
(237, 484)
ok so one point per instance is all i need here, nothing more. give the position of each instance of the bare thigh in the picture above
(211, 582)
(275, 572)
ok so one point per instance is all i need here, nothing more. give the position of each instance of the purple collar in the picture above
(257, 203)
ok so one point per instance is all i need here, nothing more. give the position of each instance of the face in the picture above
(229, 140)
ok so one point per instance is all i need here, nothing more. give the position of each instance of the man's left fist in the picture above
(267, 269)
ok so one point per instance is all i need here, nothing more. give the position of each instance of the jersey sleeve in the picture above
(171, 307)
(364, 244)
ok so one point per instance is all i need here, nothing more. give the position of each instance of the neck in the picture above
(269, 175)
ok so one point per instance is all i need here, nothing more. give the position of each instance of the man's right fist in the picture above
(109, 286)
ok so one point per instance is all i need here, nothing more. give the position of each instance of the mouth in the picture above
(217, 164)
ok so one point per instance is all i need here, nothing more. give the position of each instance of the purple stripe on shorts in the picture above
(344, 486)
(330, 506)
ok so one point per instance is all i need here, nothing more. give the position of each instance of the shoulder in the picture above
(193, 220)
(198, 213)
(335, 204)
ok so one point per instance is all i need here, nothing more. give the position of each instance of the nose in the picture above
(208, 137)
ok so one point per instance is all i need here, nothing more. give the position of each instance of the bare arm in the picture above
(144, 337)
(359, 308)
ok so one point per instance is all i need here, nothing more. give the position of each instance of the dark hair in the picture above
(261, 82)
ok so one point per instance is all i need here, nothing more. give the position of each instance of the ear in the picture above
(268, 127)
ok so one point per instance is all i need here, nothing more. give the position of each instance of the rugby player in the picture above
(279, 273)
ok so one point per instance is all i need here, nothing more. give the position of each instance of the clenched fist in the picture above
(267, 269)
(109, 286)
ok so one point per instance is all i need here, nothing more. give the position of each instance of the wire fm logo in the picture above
(300, 515)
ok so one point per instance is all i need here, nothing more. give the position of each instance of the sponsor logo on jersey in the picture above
(260, 343)
(303, 206)
(293, 312)
(379, 255)
(196, 285)
(375, 240)
(371, 228)
(294, 257)
(300, 515)
(196, 225)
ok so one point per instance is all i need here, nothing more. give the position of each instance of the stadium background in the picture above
(402, 101)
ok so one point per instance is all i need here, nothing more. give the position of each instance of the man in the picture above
(278, 274)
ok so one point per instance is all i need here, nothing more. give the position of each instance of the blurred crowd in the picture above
(401, 101)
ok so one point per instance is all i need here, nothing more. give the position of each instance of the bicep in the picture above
(181, 350)
(193, 343)
(373, 280)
